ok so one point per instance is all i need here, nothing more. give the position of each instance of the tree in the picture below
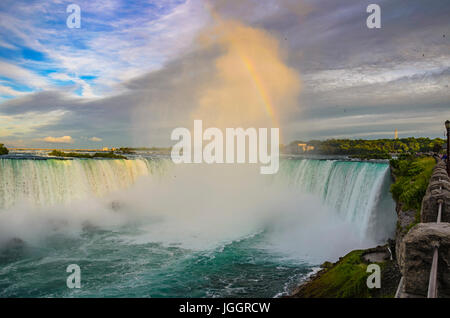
(3, 150)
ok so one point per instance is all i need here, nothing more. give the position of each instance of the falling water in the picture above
(49, 182)
(358, 191)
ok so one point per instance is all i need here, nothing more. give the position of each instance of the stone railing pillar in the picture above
(438, 189)
(416, 257)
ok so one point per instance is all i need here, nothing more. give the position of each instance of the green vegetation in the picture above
(371, 149)
(344, 279)
(57, 153)
(411, 180)
(3, 150)
(125, 150)
(110, 155)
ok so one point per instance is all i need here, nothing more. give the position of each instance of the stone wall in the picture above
(415, 249)
(438, 190)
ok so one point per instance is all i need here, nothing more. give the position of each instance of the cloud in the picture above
(8, 91)
(29, 124)
(117, 40)
(56, 113)
(151, 77)
(22, 75)
(86, 89)
(96, 139)
(7, 45)
(59, 140)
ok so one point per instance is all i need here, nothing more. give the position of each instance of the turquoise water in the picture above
(144, 228)
(111, 268)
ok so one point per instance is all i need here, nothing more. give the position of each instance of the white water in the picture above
(357, 191)
(50, 182)
(312, 209)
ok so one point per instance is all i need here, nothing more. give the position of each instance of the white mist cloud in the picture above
(215, 206)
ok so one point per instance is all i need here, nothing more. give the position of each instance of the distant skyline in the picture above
(135, 70)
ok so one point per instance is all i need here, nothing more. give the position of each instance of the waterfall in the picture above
(357, 191)
(48, 182)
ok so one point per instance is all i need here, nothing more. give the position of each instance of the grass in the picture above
(412, 175)
(345, 279)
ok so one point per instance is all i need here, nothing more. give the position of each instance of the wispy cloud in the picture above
(27, 124)
(23, 76)
(117, 40)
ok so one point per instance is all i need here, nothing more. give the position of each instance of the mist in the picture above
(199, 208)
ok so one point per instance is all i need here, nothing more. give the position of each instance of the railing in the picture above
(432, 283)
(399, 289)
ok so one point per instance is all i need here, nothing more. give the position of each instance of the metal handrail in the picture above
(439, 216)
(432, 282)
(398, 293)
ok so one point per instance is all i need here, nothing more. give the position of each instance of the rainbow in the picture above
(254, 76)
(260, 88)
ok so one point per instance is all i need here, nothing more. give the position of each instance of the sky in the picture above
(135, 70)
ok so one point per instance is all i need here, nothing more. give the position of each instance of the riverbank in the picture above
(347, 277)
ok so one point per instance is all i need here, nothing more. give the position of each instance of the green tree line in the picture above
(376, 146)
(110, 155)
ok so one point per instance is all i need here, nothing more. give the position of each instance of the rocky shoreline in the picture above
(346, 278)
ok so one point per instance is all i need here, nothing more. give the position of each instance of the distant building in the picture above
(305, 147)
(105, 149)
(396, 134)
(302, 146)
(299, 148)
